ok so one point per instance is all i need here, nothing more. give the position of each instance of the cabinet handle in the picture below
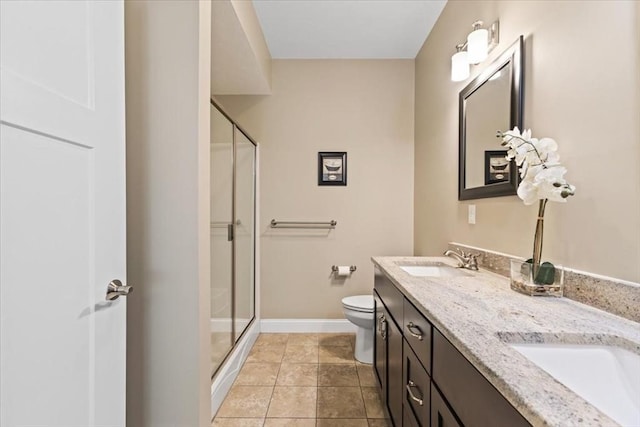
(413, 397)
(418, 335)
(382, 326)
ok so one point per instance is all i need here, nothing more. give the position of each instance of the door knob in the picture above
(115, 288)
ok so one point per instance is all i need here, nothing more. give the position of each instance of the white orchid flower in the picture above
(541, 173)
(550, 183)
(542, 179)
(528, 192)
(547, 149)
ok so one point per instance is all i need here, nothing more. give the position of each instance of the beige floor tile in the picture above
(336, 339)
(271, 339)
(342, 422)
(335, 354)
(271, 353)
(303, 339)
(379, 423)
(343, 375)
(301, 354)
(290, 422)
(246, 401)
(340, 402)
(293, 402)
(298, 374)
(258, 374)
(372, 402)
(237, 422)
(366, 375)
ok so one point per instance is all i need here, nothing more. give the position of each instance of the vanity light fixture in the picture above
(478, 45)
(459, 65)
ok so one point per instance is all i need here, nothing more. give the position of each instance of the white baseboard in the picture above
(306, 325)
(226, 376)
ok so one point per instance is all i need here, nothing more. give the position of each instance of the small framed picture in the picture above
(496, 166)
(332, 168)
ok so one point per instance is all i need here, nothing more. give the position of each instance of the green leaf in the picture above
(546, 274)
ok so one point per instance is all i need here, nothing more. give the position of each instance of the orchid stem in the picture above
(537, 241)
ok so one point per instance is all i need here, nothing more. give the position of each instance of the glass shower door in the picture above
(221, 217)
(245, 231)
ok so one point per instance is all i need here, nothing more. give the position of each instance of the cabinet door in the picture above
(394, 372)
(475, 401)
(441, 415)
(380, 346)
(409, 420)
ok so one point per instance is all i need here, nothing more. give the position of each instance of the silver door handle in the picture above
(115, 288)
(413, 397)
(410, 327)
(382, 326)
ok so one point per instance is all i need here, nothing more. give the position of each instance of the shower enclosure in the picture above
(233, 183)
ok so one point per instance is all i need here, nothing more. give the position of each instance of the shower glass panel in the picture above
(221, 216)
(233, 201)
(245, 231)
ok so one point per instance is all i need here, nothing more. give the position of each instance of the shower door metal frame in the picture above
(238, 128)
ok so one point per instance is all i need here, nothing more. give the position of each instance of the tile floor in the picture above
(302, 380)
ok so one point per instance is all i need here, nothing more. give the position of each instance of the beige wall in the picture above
(240, 58)
(582, 87)
(359, 106)
(167, 89)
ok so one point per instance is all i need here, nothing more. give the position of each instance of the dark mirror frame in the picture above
(513, 55)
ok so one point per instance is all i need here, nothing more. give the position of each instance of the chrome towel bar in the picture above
(303, 224)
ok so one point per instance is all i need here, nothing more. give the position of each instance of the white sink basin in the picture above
(436, 269)
(607, 377)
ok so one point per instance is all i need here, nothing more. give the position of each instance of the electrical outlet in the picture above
(472, 214)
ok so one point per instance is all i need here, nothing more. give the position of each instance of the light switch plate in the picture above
(472, 214)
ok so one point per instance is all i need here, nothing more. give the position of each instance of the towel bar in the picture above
(303, 224)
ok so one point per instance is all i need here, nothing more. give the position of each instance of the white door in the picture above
(62, 213)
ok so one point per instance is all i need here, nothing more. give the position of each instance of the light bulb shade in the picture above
(478, 45)
(459, 67)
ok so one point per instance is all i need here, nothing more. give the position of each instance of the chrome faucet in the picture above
(465, 260)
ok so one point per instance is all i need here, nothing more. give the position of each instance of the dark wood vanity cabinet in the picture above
(380, 345)
(441, 415)
(387, 362)
(394, 372)
(417, 388)
(424, 380)
(474, 400)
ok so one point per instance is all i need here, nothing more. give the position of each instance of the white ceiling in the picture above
(354, 29)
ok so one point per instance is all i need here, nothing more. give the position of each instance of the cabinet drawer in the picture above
(390, 295)
(417, 387)
(417, 332)
(475, 401)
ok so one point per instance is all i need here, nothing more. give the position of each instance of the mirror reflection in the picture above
(490, 102)
(488, 110)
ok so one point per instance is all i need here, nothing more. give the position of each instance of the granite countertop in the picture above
(479, 314)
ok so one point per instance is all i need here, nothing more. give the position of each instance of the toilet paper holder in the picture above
(334, 268)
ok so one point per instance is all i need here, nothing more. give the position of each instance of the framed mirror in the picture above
(490, 102)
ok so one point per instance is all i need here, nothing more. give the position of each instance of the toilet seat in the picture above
(361, 303)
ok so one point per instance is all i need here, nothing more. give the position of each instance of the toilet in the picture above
(358, 310)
